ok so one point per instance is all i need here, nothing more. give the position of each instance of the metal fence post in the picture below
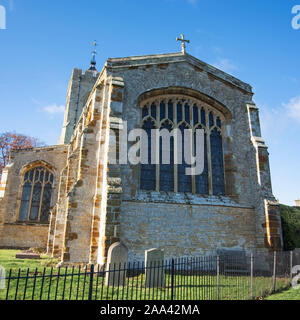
(251, 274)
(274, 272)
(291, 265)
(218, 277)
(91, 282)
(172, 279)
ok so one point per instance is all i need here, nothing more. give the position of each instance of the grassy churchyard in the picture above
(290, 294)
(8, 261)
(73, 284)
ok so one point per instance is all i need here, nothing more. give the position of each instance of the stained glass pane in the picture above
(31, 175)
(211, 119)
(166, 176)
(46, 202)
(42, 176)
(179, 112)
(162, 110)
(148, 170)
(47, 176)
(170, 110)
(202, 179)
(25, 200)
(26, 176)
(35, 202)
(153, 110)
(217, 163)
(184, 181)
(36, 176)
(187, 113)
(203, 119)
(218, 121)
(144, 112)
(195, 114)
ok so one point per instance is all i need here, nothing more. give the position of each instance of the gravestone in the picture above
(154, 268)
(233, 261)
(2, 278)
(116, 264)
(27, 254)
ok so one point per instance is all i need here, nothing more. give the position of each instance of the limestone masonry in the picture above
(95, 202)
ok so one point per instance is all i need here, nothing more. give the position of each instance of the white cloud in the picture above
(217, 50)
(54, 108)
(293, 108)
(225, 65)
(281, 116)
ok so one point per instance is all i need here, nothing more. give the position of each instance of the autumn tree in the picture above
(10, 141)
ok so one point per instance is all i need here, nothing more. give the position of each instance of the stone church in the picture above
(76, 200)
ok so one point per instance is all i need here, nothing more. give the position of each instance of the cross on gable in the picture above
(182, 42)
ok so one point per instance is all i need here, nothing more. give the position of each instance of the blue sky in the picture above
(251, 39)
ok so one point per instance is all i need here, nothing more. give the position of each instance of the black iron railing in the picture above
(221, 277)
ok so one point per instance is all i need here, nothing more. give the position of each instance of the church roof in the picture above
(161, 59)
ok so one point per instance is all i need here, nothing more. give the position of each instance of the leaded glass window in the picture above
(36, 195)
(166, 171)
(182, 112)
(148, 170)
(217, 162)
(184, 181)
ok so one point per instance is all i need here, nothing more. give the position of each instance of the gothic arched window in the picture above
(183, 112)
(36, 195)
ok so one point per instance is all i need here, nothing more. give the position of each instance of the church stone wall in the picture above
(26, 234)
(185, 229)
(18, 235)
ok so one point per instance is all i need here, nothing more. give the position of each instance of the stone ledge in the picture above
(183, 198)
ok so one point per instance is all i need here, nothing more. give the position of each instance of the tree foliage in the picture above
(12, 140)
(290, 222)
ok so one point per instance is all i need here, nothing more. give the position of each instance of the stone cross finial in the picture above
(182, 42)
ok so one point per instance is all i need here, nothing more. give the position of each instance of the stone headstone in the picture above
(154, 268)
(116, 263)
(2, 278)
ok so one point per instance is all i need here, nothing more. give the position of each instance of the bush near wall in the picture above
(290, 220)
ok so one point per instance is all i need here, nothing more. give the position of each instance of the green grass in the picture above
(8, 261)
(291, 294)
(62, 286)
